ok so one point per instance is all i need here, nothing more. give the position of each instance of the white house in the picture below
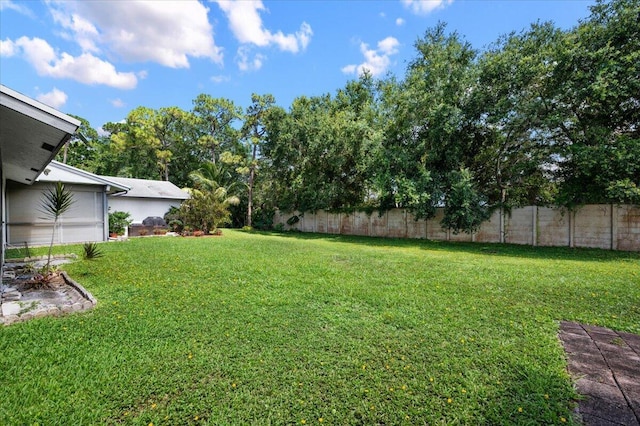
(31, 134)
(145, 197)
(86, 221)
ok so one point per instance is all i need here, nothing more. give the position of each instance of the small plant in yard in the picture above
(143, 232)
(159, 231)
(118, 222)
(29, 268)
(176, 225)
(91, 251)
(45, 276)
(56, 201)
(198, 233)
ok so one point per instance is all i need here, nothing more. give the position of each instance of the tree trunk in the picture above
(64, 155)
(250, 197)
(252, 174)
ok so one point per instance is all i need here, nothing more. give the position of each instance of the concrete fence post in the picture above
(406, 224)
(534, 226)
(571, 221)
(386, 234)
(614, 227)
(502, 225)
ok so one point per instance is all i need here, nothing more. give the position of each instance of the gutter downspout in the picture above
(105, 212)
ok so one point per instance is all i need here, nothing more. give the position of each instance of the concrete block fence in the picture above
(606, 226)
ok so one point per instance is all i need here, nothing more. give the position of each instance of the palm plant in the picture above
(55, 202)
(214, 191)
(212, 176)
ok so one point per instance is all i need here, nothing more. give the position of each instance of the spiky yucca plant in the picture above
(92, 251)
(55, 202)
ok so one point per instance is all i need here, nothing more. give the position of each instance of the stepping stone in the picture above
(10, 308)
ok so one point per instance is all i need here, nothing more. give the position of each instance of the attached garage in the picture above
(86, 221)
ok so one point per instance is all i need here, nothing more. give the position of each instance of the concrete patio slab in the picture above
(606, 367)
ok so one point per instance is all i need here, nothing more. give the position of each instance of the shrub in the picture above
(207, 210)
(198, 233)
(143, 232)
(118, 222)
(263, 218)
(176, 225)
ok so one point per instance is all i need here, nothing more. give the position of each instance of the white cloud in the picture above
(399, 22)
(8, 48)
(424, 7)
(245, 63)
(82, 31)
(246, 24)
(86, 68)
(102, 132)
(17, 7)
(55, 98)
(389, 45)
(349, 69)
(377, 61)
(220, 78)
(118, 103)
(164, 32)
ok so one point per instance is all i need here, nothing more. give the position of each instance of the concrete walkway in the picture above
(606, 367)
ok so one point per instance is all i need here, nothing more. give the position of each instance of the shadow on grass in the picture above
(483, 249)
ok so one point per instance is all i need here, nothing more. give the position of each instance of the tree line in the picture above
(543, 116)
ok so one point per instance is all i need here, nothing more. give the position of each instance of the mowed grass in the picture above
(254, 328)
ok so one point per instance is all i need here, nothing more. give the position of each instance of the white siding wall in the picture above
(82, 223)
(3, 217)
(141, 208)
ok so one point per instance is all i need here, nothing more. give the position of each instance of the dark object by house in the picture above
(154, 221)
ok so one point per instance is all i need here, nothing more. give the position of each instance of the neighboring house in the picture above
(86, 221)
(31, 134)
(145, 198)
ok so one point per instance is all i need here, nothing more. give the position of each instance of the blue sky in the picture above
(101, 59)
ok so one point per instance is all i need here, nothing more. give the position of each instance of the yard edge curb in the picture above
(83, 292)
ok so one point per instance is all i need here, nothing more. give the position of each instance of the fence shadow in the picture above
(478, 248)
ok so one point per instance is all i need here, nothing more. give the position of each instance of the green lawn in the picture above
(307, 329)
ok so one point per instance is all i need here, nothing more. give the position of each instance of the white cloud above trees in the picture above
(424, 7)
(247, 63)
(376, 61)
(85, 68)
(117, 103)
(102, 35)
(168, 33)
(247, 27)
(55, 98)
